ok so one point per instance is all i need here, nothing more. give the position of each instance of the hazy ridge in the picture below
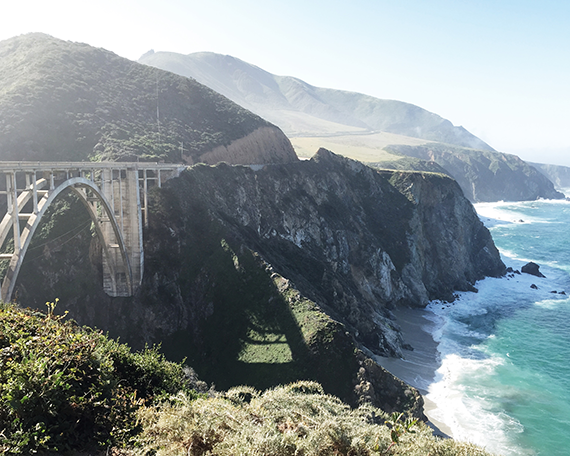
(301, 109)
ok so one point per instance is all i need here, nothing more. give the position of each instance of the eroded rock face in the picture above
(354, 240)
(486, 175)
(265, 145)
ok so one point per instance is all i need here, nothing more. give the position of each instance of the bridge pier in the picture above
(116, 196)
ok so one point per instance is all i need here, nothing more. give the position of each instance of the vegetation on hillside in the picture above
(304, 110)
(64, 387)
(484, 175)
(68, 101)
(297, 419)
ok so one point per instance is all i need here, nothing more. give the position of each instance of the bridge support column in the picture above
(133, 224)
(121, 188)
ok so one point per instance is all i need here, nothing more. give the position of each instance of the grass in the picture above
(66, 389)
(296, 419)
(361, 147)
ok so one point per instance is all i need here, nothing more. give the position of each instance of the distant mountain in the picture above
(301, 109)
(485, 176)
(559, 175)
(68, 101)
(385, 133)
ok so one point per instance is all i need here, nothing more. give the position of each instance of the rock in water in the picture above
(532, 269)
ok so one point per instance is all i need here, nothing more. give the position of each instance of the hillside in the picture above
(301, 109)
(484, 176)
(68, 101)
(71, 390)
(362, 127)
(559, 175)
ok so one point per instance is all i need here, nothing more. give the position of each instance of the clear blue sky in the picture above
(500, 68)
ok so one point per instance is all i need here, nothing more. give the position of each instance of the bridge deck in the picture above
(57, 166)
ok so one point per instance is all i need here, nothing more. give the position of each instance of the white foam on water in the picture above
(469, 408)
(468, 394)
(502, 213)
(473, 417)
(461, 402)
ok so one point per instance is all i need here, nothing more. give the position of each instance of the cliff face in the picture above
(263, 277)
(559, 175)
(486, 176)
(264, 145)
(354, 240)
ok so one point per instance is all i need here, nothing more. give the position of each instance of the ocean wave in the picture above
(466, 408)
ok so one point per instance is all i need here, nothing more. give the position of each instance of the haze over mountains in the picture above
(363, 127)
(69, 101)
(301, 109)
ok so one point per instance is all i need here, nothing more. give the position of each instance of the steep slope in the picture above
(301, 109)
(559, 175)
(67, 101)
(263, 277)
(486, 176)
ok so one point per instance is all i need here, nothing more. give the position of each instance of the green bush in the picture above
(63, 387)
(297, 419)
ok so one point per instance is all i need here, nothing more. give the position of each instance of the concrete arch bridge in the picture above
(115, 195)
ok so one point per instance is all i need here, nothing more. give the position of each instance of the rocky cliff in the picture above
(486, 176)
(265, 145)
(354, 240)
(558, 175)
(287, 272)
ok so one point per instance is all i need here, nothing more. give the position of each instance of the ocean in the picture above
(503, 380)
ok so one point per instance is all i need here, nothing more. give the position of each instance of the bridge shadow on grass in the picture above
(260, 332)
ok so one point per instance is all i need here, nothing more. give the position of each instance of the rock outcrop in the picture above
(532, 269)
(264, 145)
(486, 176)
(354, 240)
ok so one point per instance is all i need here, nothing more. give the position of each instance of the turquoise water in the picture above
(504, 381)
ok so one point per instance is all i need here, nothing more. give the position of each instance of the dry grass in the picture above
(361, 147)
(298, 419)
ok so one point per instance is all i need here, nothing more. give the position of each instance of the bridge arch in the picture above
(118, 264)
(115, 195)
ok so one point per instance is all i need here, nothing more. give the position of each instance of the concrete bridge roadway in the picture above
(115, 195)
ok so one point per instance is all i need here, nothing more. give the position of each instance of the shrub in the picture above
(297, 419)
(63, 387)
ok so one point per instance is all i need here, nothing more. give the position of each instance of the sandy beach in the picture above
(418, 366)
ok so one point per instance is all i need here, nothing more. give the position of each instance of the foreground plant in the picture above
(63, 387)
(298, 419)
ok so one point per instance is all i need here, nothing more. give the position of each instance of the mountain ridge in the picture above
(61, 100)
(267, 94)
(363, 127)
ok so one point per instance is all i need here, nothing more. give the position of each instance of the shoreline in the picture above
(418, 367)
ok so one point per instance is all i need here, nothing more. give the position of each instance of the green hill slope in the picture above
(67, 101)
(364, 128)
